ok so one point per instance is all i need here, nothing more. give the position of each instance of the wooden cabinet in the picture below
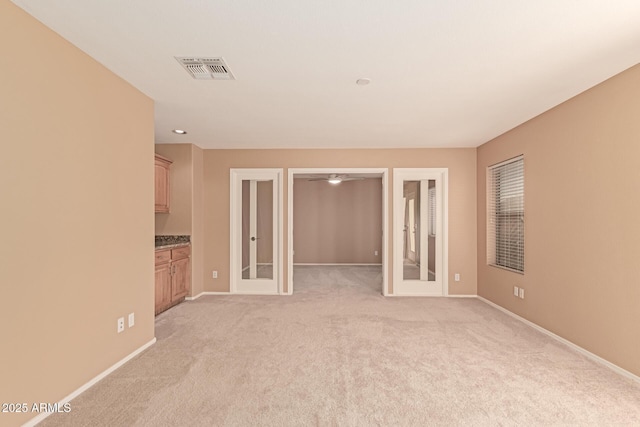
(173, 277)
(162, 184)
(163, 284)
(181, 281)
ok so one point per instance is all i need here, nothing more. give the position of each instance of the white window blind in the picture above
(505, 214)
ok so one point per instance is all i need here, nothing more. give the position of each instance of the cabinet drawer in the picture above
(163, 256)
(179, 253)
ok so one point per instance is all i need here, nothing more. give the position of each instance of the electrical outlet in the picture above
(120, 324)
(456, 277)
(515, 291)
(132, 319)
(375, 253)
(215, 274)
(522, 293)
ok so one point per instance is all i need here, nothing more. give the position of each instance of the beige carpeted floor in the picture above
(339, 353)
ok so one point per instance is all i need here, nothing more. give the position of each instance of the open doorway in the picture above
(337, 217)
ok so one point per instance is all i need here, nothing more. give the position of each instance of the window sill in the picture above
(506, 268)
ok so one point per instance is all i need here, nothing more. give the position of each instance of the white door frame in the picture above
(400, 288)
(235, 235)
(385, 209)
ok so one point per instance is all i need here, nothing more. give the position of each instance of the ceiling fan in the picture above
(335, 178)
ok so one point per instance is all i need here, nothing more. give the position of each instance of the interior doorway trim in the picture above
(384, 172)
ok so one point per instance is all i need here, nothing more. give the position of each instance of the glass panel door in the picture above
(255, 241)
(411, 230)
(419, 222)
(257, 229)
(419, 230)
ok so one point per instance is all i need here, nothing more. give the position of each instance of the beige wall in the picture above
(462, 199)
(77, 215)
(186, 216)
(336, 224)
(582, 235)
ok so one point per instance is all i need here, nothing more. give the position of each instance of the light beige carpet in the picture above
(339, 353)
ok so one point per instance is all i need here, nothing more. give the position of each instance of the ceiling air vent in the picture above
(206, 68)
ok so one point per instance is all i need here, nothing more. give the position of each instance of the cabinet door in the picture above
(162, 187)
(162, 183)
(181, 278)
(163, 286)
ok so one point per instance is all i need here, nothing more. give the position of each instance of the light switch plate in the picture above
(515, 291)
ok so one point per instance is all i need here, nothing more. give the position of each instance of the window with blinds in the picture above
(505, 214)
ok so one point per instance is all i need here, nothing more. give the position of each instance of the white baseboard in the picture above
(431, 296)
(566, 342)
(85, 387)
(428, 296)
(346, 264)
(206, 293)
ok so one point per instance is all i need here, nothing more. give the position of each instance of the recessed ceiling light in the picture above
(363, 81)
(335, 180)
(179, 131)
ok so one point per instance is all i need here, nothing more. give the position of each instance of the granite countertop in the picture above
(175, 245)
(168, 242)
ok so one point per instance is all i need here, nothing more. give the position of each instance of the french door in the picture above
(256, 229)
(419, 261)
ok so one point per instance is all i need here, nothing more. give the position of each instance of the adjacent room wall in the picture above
(77, 215)
(582, 235)
(337, 224)
(462, 199)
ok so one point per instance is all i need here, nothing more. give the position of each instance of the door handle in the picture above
(253, 239)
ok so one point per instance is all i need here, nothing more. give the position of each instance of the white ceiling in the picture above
(444, 73)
